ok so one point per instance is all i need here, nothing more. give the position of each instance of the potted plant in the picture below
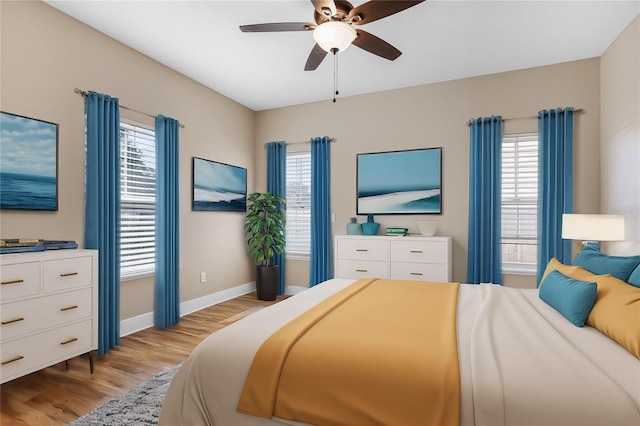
(264, 229)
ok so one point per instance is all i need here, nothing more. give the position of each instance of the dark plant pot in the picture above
(267, 281)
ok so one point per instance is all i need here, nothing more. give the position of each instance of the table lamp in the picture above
(592, 228)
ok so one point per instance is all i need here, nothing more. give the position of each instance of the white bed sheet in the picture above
(521, 363)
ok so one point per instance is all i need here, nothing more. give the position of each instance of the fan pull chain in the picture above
(335, 73)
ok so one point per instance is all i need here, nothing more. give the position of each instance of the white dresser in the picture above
(48, 307)
(404, 258)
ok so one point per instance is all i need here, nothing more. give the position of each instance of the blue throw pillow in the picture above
(599, 263)
(634, 278)
(572, 298)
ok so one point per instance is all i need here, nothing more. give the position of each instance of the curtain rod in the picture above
(299, 142)
(83, 93)
(577, 111)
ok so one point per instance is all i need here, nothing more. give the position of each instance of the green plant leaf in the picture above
(264, 226)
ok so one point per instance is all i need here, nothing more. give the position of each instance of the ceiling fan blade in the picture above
(375, 45)
(315, 58)
(277, 26)
(378, 9)
(325, 7)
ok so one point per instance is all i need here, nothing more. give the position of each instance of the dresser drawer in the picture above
(19, 280)
(65, 274)
(356, 269)
(418, 271)
(362, 249)
(28, 316)
(40, 350)
(418, 251)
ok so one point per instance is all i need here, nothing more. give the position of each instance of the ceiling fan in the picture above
(334, 28)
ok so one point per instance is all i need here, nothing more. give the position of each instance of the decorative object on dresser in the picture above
(408, 258)
(400, 232)
(353, 227)
(399, 182)
(49, 309)
(370, 227)
(427, 228)
(22, 245)
(60, 244)
(29, 157)
(264, 228)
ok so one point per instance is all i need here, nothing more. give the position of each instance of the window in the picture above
(138, 201)
(519, 203)
(298, 232)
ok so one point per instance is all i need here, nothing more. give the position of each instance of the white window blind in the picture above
(138, 201)
(519, 202)
(298, 231)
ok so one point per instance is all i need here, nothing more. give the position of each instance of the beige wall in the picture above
(436, 115)
(45, 55)
(620, 134)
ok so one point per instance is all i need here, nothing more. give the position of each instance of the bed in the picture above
(521, 361)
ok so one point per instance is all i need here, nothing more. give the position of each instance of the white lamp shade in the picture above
(334, 35)
(593, 227)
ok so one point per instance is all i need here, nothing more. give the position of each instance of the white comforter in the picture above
(521, 363)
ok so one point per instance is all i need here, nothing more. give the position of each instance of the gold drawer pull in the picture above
(415, 251)
(66, 342)
(68, 308)
(361, 270)
(415, 273)
(362, 250)
(69, 274)
(12, 321)
(14, 359)
(12, 282)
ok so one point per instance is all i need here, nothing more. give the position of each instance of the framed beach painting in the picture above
(400, 182)
(28, 163)
(219, 186)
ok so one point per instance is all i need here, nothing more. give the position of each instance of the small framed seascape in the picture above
(218, 186)
(28, 163)
(400, 182)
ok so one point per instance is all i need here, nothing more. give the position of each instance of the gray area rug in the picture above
(140, 406)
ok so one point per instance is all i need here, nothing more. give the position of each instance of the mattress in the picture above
(521, 362)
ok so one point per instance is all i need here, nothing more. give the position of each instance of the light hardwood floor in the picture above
(57, 396)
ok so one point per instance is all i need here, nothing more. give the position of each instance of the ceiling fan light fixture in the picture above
(334, 35)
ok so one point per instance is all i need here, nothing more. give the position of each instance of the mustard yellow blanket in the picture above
(377, 352)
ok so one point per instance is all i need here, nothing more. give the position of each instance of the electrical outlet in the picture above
(203, 277)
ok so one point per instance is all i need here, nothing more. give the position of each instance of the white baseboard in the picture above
(140, 322)
(211, 299)
(135, 324)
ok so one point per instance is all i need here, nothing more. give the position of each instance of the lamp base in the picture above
(583, 244)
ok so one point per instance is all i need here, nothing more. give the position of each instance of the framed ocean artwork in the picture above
(28, 163)
(400, 182)
(218, 186)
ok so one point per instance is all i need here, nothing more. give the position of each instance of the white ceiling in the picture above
(439, 39)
